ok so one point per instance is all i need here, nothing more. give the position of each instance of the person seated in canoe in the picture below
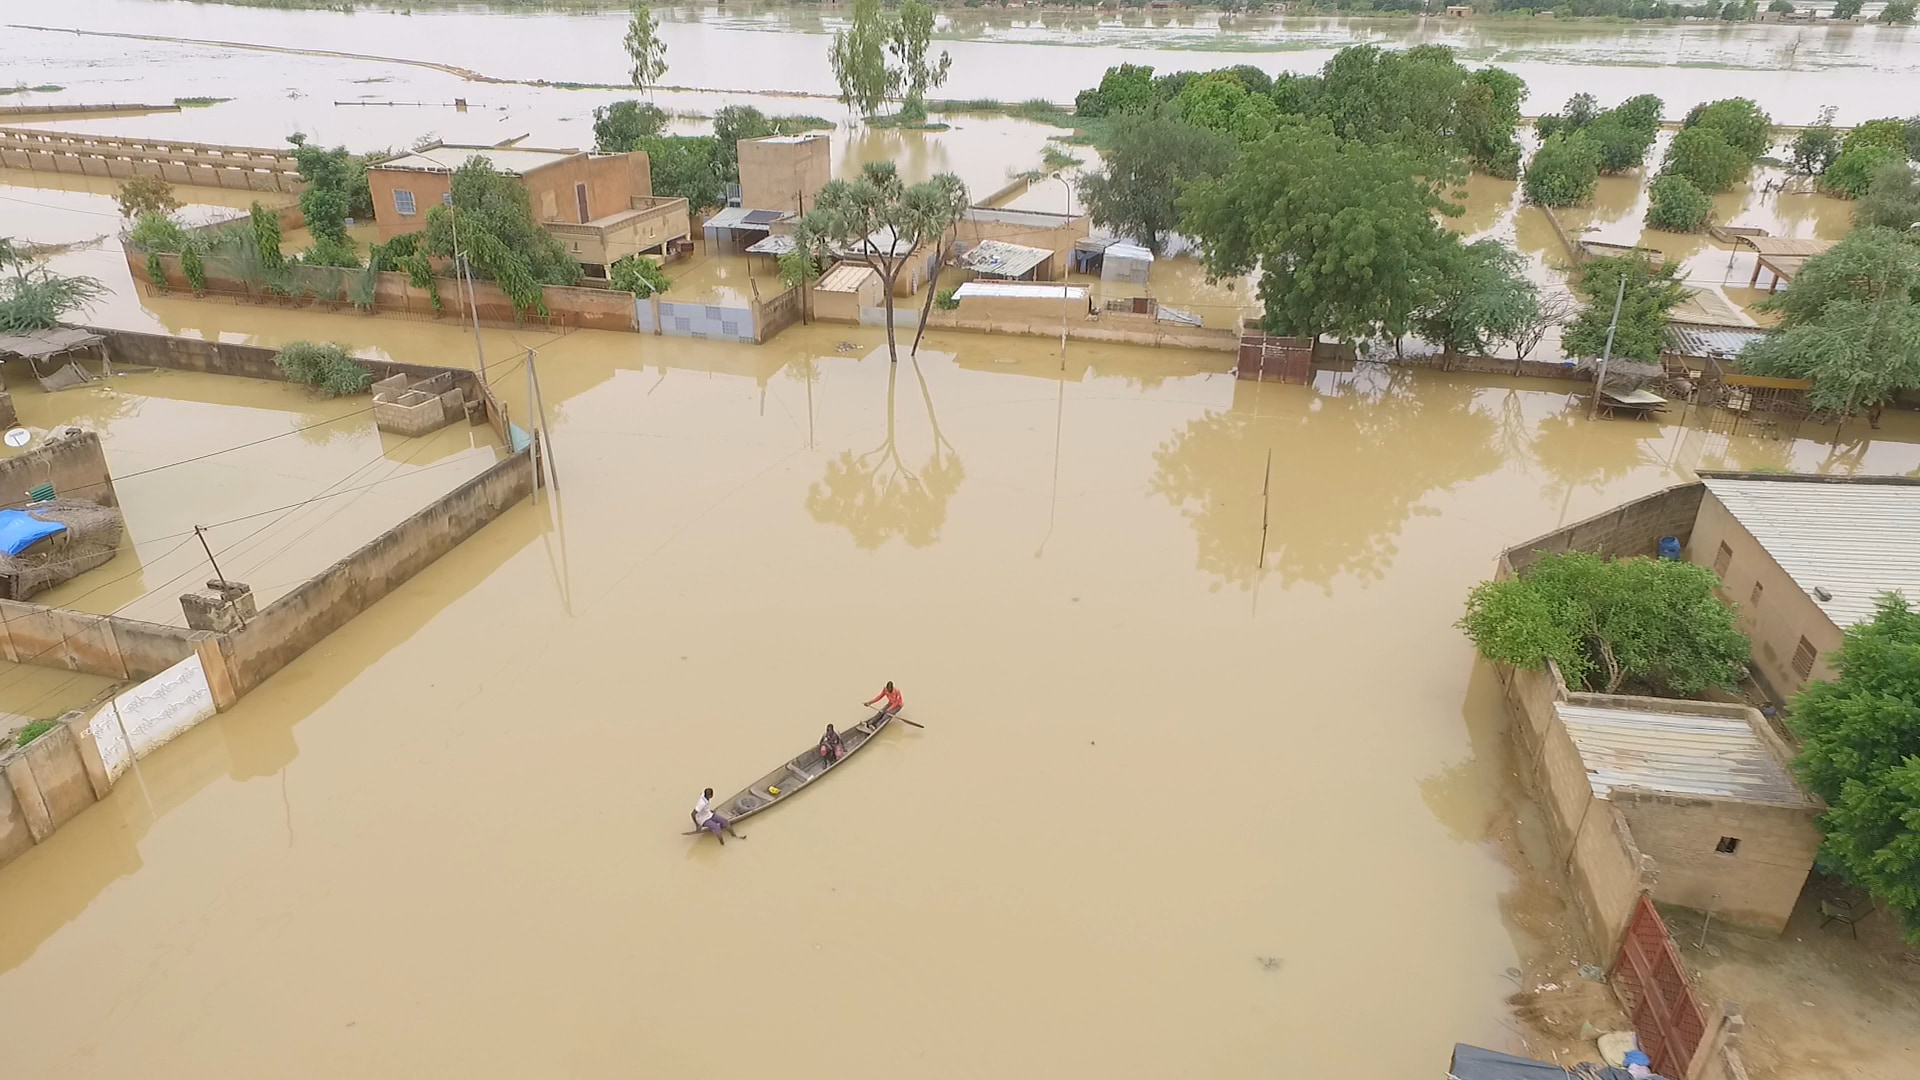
(704, 817)
(832, 747)
(892, 700)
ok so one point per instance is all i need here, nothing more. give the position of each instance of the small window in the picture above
(580, 198)
(1727, 845)
(1722, 559)
(403, 202)
(1803, 658)
(1758, 589)
(446, 198)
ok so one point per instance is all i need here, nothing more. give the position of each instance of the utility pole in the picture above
(1606, 354)
(200, 533)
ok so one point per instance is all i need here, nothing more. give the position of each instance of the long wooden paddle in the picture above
(898, 717)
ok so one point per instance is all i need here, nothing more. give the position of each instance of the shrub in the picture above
(194, 268)
(1703, 156)
(1897, 13)
(1887, 131)
(1678, 206)
(945, 300)
(1851, 174)
(155, 231)
(638, 275)
(156, 270)
(324, 366)
(33, 731)
(1611, 624)
(146, 195)
(1563, 171)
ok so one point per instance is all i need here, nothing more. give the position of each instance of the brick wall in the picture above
(1756, 885)
(1632, 529)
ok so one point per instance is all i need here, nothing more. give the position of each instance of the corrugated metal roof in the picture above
(772, 245)
(1719, 342)
(1855, 539)
(1001, 259)
(1127, 249)
(735, 217)
(844, 277)
(1712, 756)
(512, 160)
(1022, 289)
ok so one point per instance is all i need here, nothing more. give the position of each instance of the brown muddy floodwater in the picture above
(448, 841)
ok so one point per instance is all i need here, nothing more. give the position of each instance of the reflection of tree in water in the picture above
(1577, 452)
(1348, 469)
(876, 497)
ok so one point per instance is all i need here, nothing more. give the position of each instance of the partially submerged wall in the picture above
(246, 361)
(1632, 529)
(74, 464)
(249, 168)
(106, 645)
(300, 619)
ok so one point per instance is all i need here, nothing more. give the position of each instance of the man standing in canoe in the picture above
(893, 702)
(705, 818)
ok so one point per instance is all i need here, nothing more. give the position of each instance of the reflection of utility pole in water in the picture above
(1053, 498)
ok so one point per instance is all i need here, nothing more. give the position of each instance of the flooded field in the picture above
(1148, 763)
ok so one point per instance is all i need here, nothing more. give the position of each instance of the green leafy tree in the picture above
(1739, 121)
(1860, 752)
(266, 233)
(1781, 7)
(1581, 109)
(1677, 205)
(859, 58)
(1650, 294)
(1888, 131)
(1815, 147)
(1480, 297)
(1897, 13)
(156, 231)
(1850, 323)
(638, 275)
(1210, 102)
(1707, 159)
(146, 195)
(326, 202)
(943, 207)
(1563, 171)
(1296, 95)
(882, 223)
(683, 167)
(910, 37)
(1420, 98)
(1344, 235)
(1846, 9)
(1892, 200)
(624, 126)
(1611, 625)
(1852, 173)
(1624, 133)
(33, 297)
(730, 125)
(1125, 88)
(1487, 118)
(1148, 161)
(496, 232)
(645, 51)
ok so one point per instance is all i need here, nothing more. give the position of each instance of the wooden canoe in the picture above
(786, 781)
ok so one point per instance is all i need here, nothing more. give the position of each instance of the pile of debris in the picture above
(52, 542)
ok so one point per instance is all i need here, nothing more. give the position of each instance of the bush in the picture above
(1703, 156)
(325, 367)
(638, 275)
(1893, 199)
(1563, 171)
(1852, 173)
(1611, 624)
(146, 195)
(155, 231)
(1897, 13)
(1737, 120)
(33, 731)
(1890, 131)
(1090, 104)
(1781, 7)
(1678, 206)
(156, 270)
(945, 300)
(194, 268)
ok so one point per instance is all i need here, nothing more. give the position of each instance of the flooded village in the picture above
(1391, 540)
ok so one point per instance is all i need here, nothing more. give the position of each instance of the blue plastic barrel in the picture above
(1669, 548)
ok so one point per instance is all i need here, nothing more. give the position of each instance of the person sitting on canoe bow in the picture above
(832, 748)
(704, 817)
(893, 702)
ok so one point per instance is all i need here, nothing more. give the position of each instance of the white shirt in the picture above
(702, 810)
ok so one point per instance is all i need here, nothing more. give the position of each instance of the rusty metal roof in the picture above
(1853, 540)
(1719, 342)
(1001, 259)
(1678, 753)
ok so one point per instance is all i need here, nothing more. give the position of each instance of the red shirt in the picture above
(893, 698)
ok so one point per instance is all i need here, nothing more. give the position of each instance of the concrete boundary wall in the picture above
(246, 361)
(246, 168)
(105, 645)
(1634, 528)
(76, 466)
(299, 620)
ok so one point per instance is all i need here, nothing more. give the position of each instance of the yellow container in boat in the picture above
(773, 790)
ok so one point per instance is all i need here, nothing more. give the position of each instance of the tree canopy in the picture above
(1650, 294)
(146, 195)
(885, 54)
(1481, 297)
(1719, 143)
(1850, 323)
(1677, 205)
(910, 36)
(497, 233)
(1860, 751)
(624, 126)
(1563, 171)
(1344, 234)
(1852, 173)
(1892, 200)
(1611, 625)
(33, 297)
(1815, 147)
(1149, 159)
(859, 58)
(646, 53)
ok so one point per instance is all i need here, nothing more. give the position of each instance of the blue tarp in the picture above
(20, 529)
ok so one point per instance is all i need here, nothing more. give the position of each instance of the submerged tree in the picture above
(1611, 624)
(645, 51)
(883, 224)
(1650, 293)
(1148, 161)
(625, 126)
(1860, 752)
(1817, 145)
(909, 39)
(1481, 296)
(859, 58)
(497, 234)
(33, 297)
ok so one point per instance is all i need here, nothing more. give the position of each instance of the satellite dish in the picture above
(19, 437)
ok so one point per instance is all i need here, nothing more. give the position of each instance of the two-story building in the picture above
(600, 206)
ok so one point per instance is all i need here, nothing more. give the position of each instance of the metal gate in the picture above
(1652, 983)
